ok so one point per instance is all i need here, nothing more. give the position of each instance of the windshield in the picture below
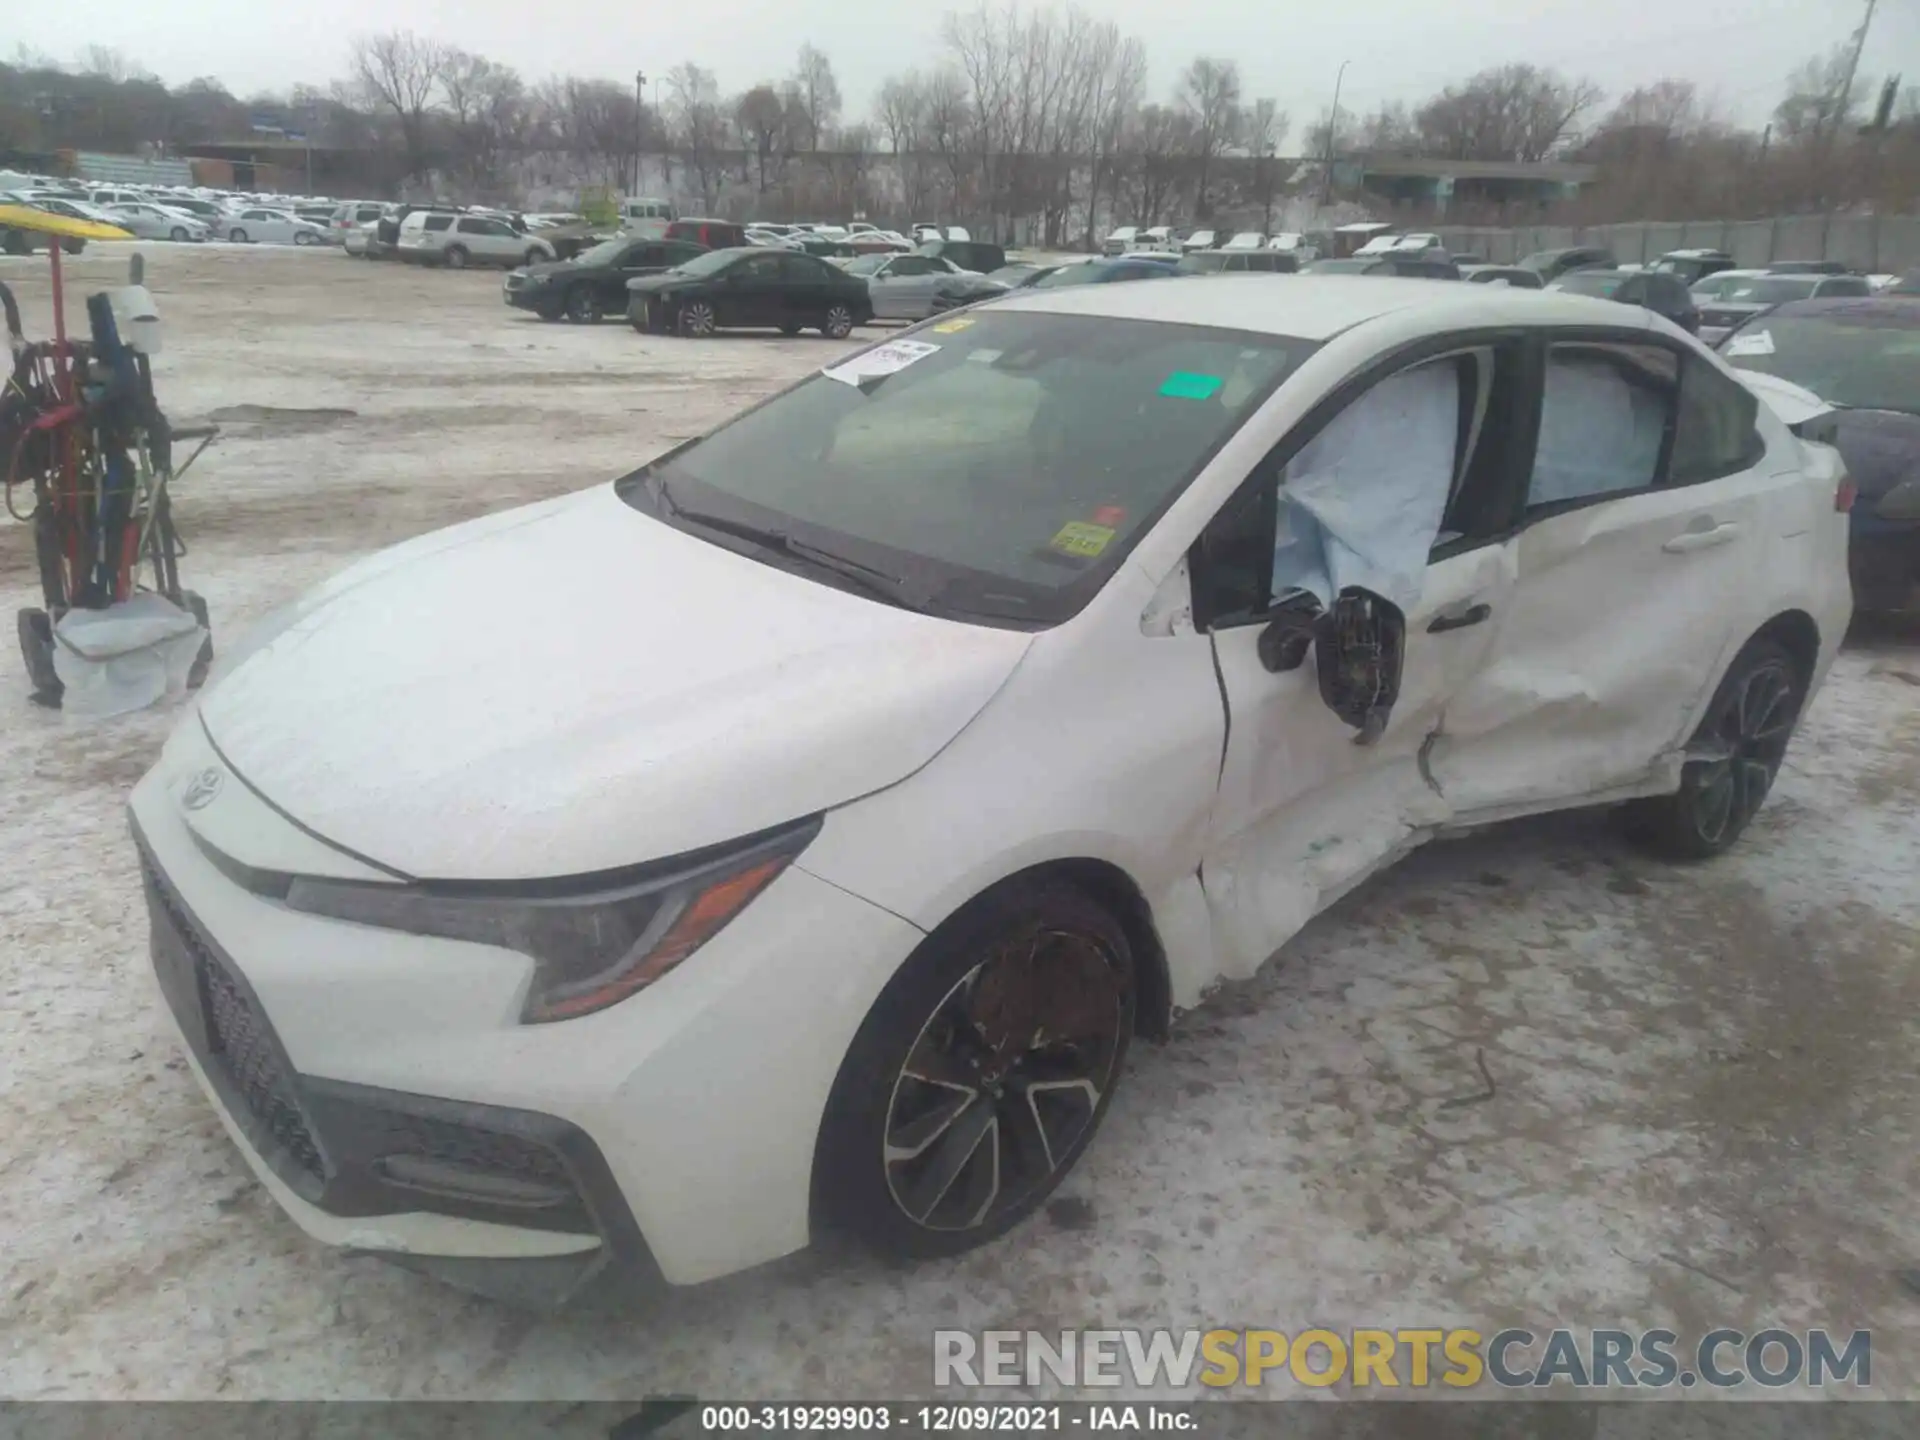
(1085, 273)
(605, 253)
(1717, 287)
(1770, 290)
(1590, 282)
(1000, 463)
(1867, 360)
(710, 263)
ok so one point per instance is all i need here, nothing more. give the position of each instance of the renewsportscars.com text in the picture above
(1409, 1358)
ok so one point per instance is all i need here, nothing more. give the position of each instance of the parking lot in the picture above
(1528, 1077)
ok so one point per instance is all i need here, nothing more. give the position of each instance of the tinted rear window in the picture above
(437, 222)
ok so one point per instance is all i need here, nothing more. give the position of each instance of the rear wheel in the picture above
(980, 1074)
(178, 235)
(302, 237)
(583, 306)
(696, 319)
(1732, 759)
(456, 257)
(838, 323)
(533, 257)
(237, 235)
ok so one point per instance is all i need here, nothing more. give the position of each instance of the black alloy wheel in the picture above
(583, 306)
(980, 1075)
(1731, 761)
(838, 323)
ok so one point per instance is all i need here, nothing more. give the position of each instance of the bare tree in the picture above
(1515, 112)
(698, 124)
(762, 122)
(1209, 93)
(402, 71)
(819, 93)
(1263, 132)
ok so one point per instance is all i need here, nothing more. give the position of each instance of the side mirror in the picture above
(1288, 633)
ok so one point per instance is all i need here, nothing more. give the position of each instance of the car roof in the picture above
(1866, 309)
(1311, 308)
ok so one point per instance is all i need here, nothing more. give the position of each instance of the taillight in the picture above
(1844, 494)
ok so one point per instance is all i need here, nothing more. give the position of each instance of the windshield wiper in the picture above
(876, 582)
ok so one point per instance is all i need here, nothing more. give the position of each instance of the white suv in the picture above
(439, 237)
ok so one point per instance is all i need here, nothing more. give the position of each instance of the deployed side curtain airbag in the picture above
(1600, 432)
(1361, 504)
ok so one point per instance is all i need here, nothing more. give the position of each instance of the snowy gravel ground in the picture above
(1705, 1085)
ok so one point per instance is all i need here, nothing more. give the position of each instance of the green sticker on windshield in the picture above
(1185, 385)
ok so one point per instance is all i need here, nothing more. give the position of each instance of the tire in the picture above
(534, 257)
(36, 649)
(583, 306)
(838, 323)
(696, 319)
(178, 235)
(301, 237)
(1737, 750)
(203, 660)
(15, 242)
(237, 236)
(456, 257)
(940, 1071)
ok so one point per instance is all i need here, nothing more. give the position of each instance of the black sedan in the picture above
(1864, 357)
(753, 287)
(1653, 290)
(594, 282)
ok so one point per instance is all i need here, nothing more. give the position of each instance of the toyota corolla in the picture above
(797, 831)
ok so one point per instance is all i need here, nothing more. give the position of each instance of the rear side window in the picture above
(1604, 415)
(437, 222)
(1716, 434)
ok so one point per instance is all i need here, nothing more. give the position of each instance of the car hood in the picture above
(555, 267)
(575, 686)
(664, 280)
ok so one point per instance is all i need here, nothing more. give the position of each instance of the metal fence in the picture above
(1876, 244)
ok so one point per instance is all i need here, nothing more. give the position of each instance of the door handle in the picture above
(1460, 619)
(1690, 540)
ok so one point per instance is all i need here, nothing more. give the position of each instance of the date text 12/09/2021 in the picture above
(916, 1419)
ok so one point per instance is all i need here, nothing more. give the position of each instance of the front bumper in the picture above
(671, 1135)
(1883, 560)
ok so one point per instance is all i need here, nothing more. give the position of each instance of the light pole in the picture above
(639, 123)
(1333, 125)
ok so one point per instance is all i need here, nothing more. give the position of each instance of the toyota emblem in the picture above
(201, 789)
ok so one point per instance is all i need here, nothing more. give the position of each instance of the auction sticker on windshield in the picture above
(1751, 342)
(1185, 385)
(954, 326)
(887, 359)
(1081, 539)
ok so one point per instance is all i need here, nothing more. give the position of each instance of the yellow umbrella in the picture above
(24, 217)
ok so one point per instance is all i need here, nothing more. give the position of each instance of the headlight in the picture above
(594, 940)
(1900, 503)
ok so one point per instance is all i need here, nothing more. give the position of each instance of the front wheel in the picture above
(301, 237)
(178, 235)
(980, 1074)
(838, 323)
(534, 257)
(456, 257)
(1732, 759)
(696, 319)
(237, 236)
(583, 306)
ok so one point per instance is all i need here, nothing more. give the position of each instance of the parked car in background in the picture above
(964, 288)
(902, 287)
(645, 216)
(594, 282)
(1511, 276)
(1693, 266)
(1201, 240)
(1758, 293)
(1236, 262)
(351, 215)
(73, 209)
(1861, 356)
(197, 206)
(922, 232)
(439, 237)
(1720, 284)
(709, 234)
(739, 957)
(1552, 264)
(363, 242)
(1105, 270)
(1120, 239)
(1654, 290)
(1245, 240)
(155, 222)
(1303, 249)
(1809, 267)
(257, 225)
(108, 196)
(1410, 267)
(750, 288)
(1419, 243)
(1158, 237)
(1463, 259)
(979, 256)
(880, 242)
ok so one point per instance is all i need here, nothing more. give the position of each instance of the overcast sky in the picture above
(1740, 51)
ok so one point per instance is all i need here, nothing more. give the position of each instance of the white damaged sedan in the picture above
(797, 831)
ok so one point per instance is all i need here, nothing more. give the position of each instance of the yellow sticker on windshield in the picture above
(1077, 537)
(954, 326)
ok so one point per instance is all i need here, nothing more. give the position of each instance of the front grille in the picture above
(391, 1132)
(240, 1041)
(515, 282)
